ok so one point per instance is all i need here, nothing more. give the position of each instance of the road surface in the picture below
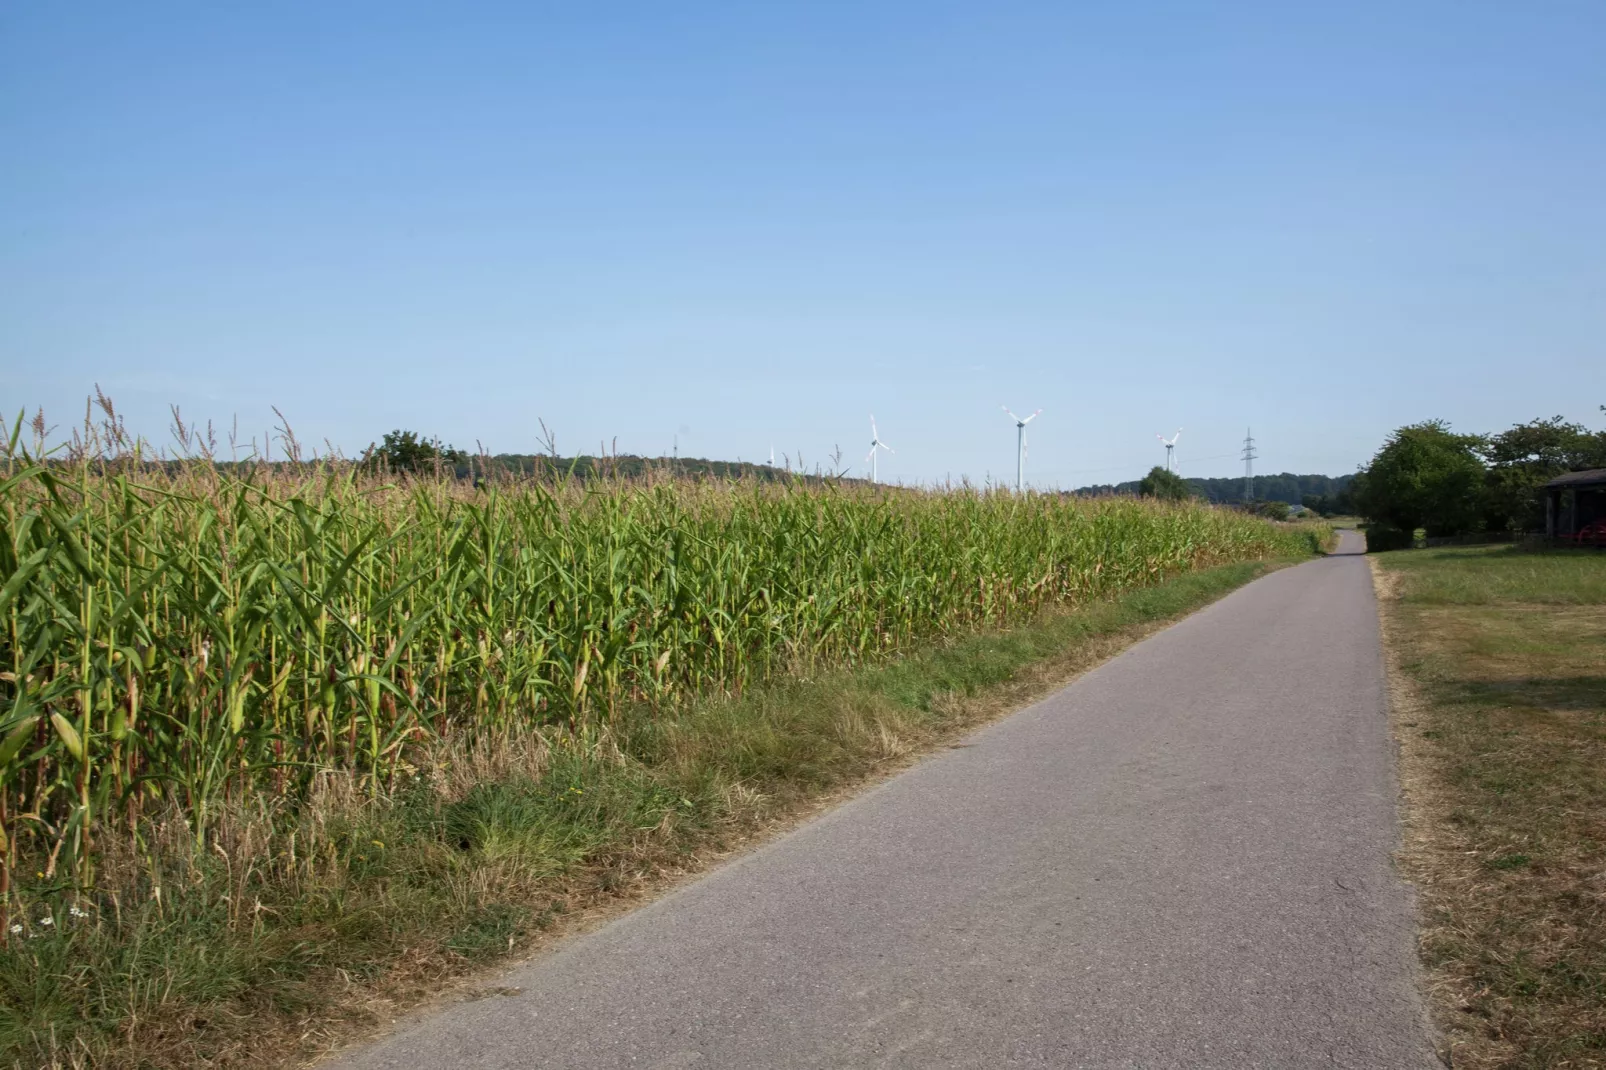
(1181, 860)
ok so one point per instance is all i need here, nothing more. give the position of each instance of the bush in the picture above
(1380, 538)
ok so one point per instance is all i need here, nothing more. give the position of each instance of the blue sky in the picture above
(741, 225)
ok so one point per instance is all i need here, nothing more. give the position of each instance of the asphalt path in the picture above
(1180, 860)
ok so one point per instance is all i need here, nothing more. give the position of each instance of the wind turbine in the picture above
(1170, 444)
(1020, 445)
(875, 444)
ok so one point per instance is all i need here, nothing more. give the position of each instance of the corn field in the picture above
(180, 636)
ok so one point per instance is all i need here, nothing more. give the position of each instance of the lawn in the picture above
(1498, 658)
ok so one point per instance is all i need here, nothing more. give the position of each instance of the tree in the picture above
(1425, 476)
(1284, 486)
(1339, 504)
(407, 451)
(1165, 485)
(1523, 459)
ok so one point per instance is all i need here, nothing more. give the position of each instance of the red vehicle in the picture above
(1591, 534)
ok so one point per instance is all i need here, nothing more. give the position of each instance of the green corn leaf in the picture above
(29, 566)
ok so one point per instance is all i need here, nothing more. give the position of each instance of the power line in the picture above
(1249, 456)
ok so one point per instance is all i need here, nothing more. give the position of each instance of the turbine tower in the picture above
(1020, 446)
(875, 444)
(1170, 445)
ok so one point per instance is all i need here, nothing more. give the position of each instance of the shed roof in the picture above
(1591, 477)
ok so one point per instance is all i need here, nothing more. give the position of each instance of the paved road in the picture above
(1181, 860)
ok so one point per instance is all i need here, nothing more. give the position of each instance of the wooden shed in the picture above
(1574, 501)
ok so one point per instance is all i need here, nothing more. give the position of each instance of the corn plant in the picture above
(186, 635)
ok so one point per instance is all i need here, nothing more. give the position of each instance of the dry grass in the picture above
(1498, 664)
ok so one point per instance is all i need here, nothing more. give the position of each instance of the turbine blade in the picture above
(1012, 416)
(1032, 417)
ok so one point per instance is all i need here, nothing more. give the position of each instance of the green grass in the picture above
(1485, 576)
(1504, 762)
(262, 950)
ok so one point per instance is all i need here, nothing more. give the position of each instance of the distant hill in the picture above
(1283, 487)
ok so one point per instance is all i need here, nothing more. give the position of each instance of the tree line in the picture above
(1429, 478)
(407, 451)
(1425, 477)
(1281, 487)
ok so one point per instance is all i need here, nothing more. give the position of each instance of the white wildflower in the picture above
(16, 928)
(75, 912)
(47, 920)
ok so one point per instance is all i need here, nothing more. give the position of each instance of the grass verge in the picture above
(1498, 663)
(290, 938)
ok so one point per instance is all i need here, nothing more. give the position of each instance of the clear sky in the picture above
(752, 224)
